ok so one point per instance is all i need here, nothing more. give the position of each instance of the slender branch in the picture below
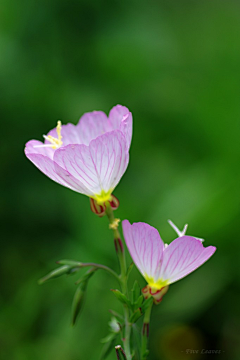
(77, 264)
(103, 267)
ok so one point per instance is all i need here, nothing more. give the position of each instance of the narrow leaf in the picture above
(117, 315)
(136, 341)
(146, 304)
(139, 302)
(108, 338)
(120, 296)
(107, 348)
(136, 315)
(136, 292)
(129, 270)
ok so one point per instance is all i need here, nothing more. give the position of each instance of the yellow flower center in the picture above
(156, 285)
(103, 197)
(55, 142)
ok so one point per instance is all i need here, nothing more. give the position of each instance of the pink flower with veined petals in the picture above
(161, 264)
(89, 158)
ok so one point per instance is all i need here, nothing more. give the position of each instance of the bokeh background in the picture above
(175, 65)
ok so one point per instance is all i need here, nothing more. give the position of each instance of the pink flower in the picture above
(161, 264)
(89, 158)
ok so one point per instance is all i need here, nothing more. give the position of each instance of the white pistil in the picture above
(182, 233)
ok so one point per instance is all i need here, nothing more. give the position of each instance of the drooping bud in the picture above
(114, 202)
(157, 294)
(78, 301)
(96, 208)
(80, 293)
(56, 273)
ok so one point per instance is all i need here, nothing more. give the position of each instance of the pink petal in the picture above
(110, 158)
(91, 125)
(98, 166)
(35, 147)
(54, 171)
(70, 134)
(184, 255)
(121, 118)
(145, 246)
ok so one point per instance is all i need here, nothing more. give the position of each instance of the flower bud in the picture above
(56, 273)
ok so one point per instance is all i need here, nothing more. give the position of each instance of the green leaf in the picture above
(139, 302)
(108, 347)
(136, 292)
(120, 296)
(108, 338)
(117, 315)
(136, 315)
(55, 273)
(136, 341)
(146, 304)
(129, 270)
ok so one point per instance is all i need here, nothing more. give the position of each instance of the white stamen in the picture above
(55, 143)
(44, 145)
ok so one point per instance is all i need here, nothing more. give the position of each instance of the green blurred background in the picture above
(175, 65)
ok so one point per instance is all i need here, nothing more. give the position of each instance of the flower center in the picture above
(156, 285)
(103, 197)
(55, 143)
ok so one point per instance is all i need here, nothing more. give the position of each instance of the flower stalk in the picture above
(145, 333)
(113, 224)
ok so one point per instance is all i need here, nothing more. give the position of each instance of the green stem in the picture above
(123, 278)
(145, 333)
(78, 264)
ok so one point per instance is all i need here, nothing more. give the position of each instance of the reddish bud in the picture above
(96, 208)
